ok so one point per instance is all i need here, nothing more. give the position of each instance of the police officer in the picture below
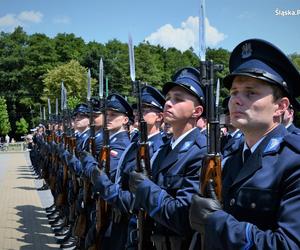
(167, 196)
(98, 123)
(81, 120)
(233, 137)
(261, 181)
(81, 116)
(117, 193)
(118, 113)
(288, 119)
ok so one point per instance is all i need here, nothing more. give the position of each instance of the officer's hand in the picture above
(135, 179)
(200, 210)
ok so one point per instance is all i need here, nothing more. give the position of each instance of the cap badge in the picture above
(246, 50)
(113, 98)
(183, 73)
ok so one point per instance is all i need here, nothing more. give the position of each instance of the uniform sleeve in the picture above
(113, 193)
(171, 211)
(223, 231)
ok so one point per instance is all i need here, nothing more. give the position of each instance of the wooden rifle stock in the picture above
(211, 170)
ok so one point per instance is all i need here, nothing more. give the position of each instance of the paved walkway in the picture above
(23, 221)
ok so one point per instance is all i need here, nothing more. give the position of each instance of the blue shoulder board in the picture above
(273, 145)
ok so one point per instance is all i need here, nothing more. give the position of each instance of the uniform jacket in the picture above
(118, 190)
(293, 129)
(118, 143)
(261, 198)
(82, 141)
(232, 144)
(175, 179)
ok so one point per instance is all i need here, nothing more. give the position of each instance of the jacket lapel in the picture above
(167, 159)
(255, 160)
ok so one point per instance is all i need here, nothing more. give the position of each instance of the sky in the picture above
(170, 23)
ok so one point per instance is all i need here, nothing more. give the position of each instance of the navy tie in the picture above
(247, 154)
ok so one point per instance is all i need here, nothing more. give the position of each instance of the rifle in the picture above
(82, 219)
(72, 176)
(62, 196)
(87, 192)
(102, 207)
(211, 166)
(144, 222)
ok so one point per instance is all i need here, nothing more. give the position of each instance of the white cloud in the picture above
(62, 20)
(185, 36)
(31, 16)
(10, 21)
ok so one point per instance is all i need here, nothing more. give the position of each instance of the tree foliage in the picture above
(32, 68)
(74, 77)
(296, 60)
(4, 120)
(22, 126)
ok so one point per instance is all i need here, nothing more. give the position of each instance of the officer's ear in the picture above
(198, 111)
(283, 104)
(125, 120)
(160, 117)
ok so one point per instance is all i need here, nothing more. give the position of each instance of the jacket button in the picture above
(253, 205)
(232, 201)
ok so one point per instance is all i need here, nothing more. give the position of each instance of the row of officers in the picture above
(260, 204)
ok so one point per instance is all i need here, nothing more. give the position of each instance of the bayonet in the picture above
(62, 96)
(56, 107)
(202, 30)
(88, 85)
(65, 98)
(101, 79)
(218, 94)
(49, 108)
(131, 58)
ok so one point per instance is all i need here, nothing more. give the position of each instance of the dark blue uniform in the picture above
(261, 193)
(116, 192)
(232, 144)
(175, 179)
(261, 197)
(293, 129)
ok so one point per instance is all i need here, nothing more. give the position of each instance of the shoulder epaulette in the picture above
(273, 145)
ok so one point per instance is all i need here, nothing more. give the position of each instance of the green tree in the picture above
(74, 77)
(5, 127)
(116, 66)
(22, 126)
(149, 64)
(68, 47)
(296, 60)
(91, 58)
(40, 57)
(12, 61)
(72, 102)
